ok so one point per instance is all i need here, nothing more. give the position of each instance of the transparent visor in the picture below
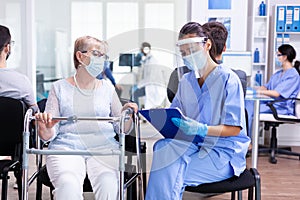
(190, 55)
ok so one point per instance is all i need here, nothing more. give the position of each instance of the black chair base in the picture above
(249, 179)
(273, 149)
(5, 167)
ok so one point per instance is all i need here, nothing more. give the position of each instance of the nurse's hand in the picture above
(190, 126)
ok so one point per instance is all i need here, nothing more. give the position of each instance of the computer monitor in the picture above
(129, 60)
(126, 59)
(238, 60)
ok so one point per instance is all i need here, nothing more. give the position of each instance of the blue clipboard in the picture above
(160, 119)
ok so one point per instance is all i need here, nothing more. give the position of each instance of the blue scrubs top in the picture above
(287, 85)
(108, 73)
(220, 100)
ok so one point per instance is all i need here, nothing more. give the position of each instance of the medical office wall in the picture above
(230, 12)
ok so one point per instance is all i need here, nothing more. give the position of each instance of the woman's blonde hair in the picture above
(84, 43)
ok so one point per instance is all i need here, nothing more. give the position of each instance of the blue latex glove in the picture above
(190, 126)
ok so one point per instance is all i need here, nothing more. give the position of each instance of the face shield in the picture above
(192, 55)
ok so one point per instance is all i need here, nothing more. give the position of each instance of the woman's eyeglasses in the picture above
(97, 54)
(12, 43)
(279, 54)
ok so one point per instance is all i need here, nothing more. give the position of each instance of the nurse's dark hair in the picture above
(290, 53)
(218, 32)
(146, 44)
(196, 28)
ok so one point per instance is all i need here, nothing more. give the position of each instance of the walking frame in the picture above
(121, 151)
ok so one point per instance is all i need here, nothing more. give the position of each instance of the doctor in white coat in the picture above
(154, 80)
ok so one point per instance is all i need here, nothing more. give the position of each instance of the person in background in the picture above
(285, 83)
(152, 82)
(83, 95)
(12, 83)
(211, 98)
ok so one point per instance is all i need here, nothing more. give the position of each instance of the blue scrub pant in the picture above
(177, 164)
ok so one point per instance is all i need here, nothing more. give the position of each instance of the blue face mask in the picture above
(195, 61)
(96, 66)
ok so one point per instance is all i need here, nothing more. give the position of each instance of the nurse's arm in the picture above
(223, 130)
(270, 93)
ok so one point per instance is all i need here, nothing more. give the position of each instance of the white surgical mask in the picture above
(196, 61)
(96, 66)
(146, 50)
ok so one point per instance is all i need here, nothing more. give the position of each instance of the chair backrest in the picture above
(12, 113)
(174, 81)
(243, 78)
(42, 104)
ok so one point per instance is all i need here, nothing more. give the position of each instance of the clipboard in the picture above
(160, 119)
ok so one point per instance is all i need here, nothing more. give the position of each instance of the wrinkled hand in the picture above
(45, 120)
(131, 105)
(190, 126)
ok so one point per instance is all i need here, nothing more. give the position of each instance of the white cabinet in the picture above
(286, 30)
(258, 28)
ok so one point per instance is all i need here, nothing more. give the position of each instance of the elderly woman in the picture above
(82, 95)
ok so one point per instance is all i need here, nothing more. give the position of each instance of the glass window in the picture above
(121, 23)
(159, 20)
(87, 19)
(159, 15)
(121, 17)
(11, 18)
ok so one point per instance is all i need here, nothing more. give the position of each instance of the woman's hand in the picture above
(45, 124)
(131, 105)
(134, 107)
(45, 120)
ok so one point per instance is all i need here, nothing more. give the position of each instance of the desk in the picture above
(255, 124)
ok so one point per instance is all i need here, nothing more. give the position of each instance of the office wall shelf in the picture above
(258, 38)
(286, 16)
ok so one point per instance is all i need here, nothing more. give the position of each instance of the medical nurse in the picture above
(211, 98)
(285, 83)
